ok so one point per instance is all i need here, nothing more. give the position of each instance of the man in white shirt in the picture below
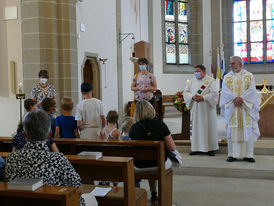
(240, 106)
(89, 114)
(201, 97)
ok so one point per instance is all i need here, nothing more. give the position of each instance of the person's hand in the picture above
(145, 89)
(238, 101)
(198, 98)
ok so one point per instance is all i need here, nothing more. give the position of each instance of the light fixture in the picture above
(123, 36)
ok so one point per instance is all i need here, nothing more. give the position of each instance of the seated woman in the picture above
(35, 160)
(148, 128)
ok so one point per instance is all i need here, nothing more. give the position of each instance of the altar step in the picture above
(216, 166)
(261, 147)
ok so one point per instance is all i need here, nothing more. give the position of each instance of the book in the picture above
(90, 155)
(25, 184)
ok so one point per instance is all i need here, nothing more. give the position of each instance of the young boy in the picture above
(89, 114)
(30, 105)
(49, 106)
(66, 126)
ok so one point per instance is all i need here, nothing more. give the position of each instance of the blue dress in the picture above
(67, 125)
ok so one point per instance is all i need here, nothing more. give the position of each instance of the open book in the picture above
(90, 155)
(25, 184)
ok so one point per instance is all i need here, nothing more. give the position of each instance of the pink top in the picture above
(144, 80)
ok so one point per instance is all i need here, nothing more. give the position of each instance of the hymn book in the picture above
(90, 155)
(25, 184)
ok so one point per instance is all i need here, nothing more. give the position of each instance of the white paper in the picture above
(100, 191)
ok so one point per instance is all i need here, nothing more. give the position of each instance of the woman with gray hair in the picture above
(148, 128)
(35, 160)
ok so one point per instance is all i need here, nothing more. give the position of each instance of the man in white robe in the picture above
(240, 106)
(201, 97)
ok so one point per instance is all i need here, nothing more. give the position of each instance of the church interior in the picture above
(100, 41)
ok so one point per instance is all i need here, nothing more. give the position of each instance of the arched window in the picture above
(176, 32)
(253, 30)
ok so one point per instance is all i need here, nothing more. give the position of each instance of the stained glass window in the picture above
(176, 31)
(253, 31)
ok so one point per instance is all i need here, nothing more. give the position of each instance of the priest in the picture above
(201, 96)
(240, 106)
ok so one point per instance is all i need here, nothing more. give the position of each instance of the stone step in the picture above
(217, 166)
(261, 147)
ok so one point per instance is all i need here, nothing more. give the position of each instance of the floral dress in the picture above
(39, 94)
(144, 80)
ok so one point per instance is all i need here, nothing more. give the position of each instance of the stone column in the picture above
(50, 42)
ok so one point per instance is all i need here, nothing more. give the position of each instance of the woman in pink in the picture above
(144, 83)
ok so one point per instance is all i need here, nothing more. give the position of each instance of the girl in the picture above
(110, 131)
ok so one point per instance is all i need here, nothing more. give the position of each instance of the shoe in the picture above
(211, 153)
(194, 153)
(230, 159)
(154, 196)
(249, 159)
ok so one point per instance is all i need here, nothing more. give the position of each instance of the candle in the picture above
(20, 88)
(187, 81)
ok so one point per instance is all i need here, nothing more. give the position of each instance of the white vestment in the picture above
(203, 117)
(241, 122)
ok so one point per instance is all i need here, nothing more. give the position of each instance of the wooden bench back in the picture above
(43, 196)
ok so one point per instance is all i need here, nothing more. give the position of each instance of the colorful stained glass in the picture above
(270, 30)
(170, 54)
(170, 11)
(183, 54)
(270, 51)
(256, 52)
(241, 50)
(182, 11)
(239, 11)
(183, 38)
(269, 9)
(170, 32)
(256, 10)
(256, 31)
(240, 33)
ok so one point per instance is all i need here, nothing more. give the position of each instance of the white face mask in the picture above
(43, 80)
(197, 75)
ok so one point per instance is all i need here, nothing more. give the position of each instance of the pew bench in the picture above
(139, 150)
(106, 168)
(43, 196)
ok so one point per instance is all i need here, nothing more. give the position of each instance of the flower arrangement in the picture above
(178, 102)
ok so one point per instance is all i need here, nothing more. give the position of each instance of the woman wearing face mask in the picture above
(43, 89)
(144, 83)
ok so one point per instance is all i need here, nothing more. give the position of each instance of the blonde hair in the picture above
(66, 104)
(126, 124)
(144, 111)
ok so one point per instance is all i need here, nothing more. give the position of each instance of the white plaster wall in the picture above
(169, 83)
(11, 31)
(99, 38)
(132, 21)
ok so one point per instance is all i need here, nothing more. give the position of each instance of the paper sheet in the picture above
(100, 191)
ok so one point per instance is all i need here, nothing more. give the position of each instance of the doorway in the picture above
(91, 74)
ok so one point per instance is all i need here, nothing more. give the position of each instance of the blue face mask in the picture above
(142, 67)
(197, 75)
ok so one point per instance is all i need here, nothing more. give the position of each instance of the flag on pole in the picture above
(223, 70)
(218, 73)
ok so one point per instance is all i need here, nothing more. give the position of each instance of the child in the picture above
(30, 105)
(49, 106)
(66, 125)
(126, 125)
(111, 131)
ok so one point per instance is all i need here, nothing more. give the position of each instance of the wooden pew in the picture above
(118, 169)
(43, 196)
(139, 150)
(5, 144)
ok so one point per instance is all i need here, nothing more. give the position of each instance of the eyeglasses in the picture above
(232, 63)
